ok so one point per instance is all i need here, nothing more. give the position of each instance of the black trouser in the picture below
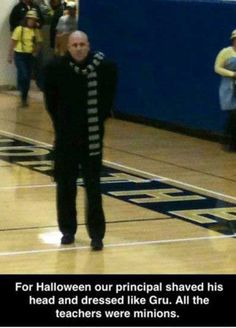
(230, 130)
(66, 197)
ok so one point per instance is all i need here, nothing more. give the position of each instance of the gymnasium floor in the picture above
(169, 199)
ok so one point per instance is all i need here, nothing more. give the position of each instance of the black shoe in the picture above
(96, 244)
(67, 239)
(232, 148)
(229, 148)
(24, 102)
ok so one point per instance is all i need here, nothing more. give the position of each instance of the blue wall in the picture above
(165, 51)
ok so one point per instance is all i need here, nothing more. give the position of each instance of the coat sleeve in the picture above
(50, 90)
(110, 86)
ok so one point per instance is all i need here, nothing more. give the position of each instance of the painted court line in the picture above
(132, 169)
(161, 178)
(50, 185)
(131, 244)
(26, 138)
(28, 186)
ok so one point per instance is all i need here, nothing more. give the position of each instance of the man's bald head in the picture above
(78, 34)
(78, 45)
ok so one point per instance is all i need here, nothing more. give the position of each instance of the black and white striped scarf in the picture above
(94, 140)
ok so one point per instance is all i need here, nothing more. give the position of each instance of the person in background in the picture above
(79, 93)
(225, 66)
(45, 9)
(25, 43)
(66, 24)
(58, 9)
(20, 10)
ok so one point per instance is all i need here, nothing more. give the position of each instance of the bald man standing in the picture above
(79, 93)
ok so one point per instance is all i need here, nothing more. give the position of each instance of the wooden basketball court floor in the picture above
(169, 199)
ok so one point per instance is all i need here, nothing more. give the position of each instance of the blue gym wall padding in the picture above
(165, 51)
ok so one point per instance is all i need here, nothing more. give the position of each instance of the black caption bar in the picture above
(117, 300)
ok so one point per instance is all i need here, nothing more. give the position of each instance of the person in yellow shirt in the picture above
(25, 43)
(225, 66)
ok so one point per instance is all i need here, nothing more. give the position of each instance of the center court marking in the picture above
(151, 175)
(134, 244)
(137, 187)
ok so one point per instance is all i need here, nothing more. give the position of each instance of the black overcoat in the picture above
(65, 94)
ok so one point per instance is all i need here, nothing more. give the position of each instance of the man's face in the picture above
(78, 46)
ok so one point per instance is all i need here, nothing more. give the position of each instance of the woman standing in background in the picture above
(225, 65)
